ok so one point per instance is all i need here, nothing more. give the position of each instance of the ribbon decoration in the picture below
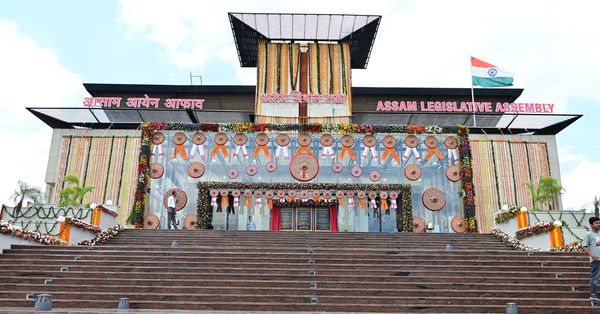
(328, 150)
(373, 151)
(247, 201)
(213, 201)
(431, 151)
(522, 220)
(224, 201)
(179, 149)
(351, 202)
(96, 216)
(393, 204)
(65, 231)
(199, 148)
(157, 147)
(341, 201)
(390, 151)
(269, 202)
(282, 150)
(372, 203)
(316, 199)
(347, 150)
(236, 201)
(361, 202)
(242, 148)
(219, 147)
(259, 202)
(384, 205)
(304, 150)
(556, 237)
(409, 151)
(264, 149)
(452, 152)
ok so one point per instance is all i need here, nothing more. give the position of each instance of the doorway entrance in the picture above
(305, 219)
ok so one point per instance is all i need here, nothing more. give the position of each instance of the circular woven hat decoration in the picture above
(292, 193)
(189, 222)
(327, 195)
(151, 221)
(240, 139)
(247, 193)
(374, 175)
(251, 170)
(412, 172)
(180, 199)
(383, 195)
(281, 193)
(411, 141)
(356, 171)
(282, 140)
(156, 170)
(304, 167)
(339, 194)
(458, 224)
(258, 193)
(393, 194)
(236, 193)
(261, 139)
(304, 194)
(179, 138)
(337, 167)
(372, 194)
(389, 141)
(271, 166)
(196, 169)
(431, 141)
(453, 173)
(350, 193)
(224, 192)
(418, 224)
(361, 194)
(347, 140)
(232, 173)
(221, 138)
(158, 138)
(451, 142)
(369, 140)
(316, 193)
(326, 140)
(304, 140)
(198, 138)
(269, 194)
(213, 193)
(434, 199)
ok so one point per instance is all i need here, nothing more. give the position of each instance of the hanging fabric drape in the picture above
(276, 218)
(333, 219)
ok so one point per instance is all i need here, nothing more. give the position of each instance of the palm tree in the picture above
(545, 193)
(596, 206)
(73, 194)
(25, 191)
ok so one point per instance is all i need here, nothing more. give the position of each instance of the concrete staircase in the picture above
(291, 271)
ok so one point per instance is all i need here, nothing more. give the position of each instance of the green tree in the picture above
(545, 193)
(73, 193)
(25, 192)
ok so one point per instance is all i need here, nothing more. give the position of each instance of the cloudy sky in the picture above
(49, 48)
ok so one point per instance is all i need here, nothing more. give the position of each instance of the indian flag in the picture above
(488, 75)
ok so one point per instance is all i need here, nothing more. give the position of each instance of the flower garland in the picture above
(404, 215)
(466, 173)
(107, 210)
(506, 215)
(82, 224)
(572, 247)
(16, 231)
(538, 228)
(512, 242)
(307, 203)
(102, 237)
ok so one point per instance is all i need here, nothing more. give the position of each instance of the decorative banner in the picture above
(251, 170)
(198, 140)
(151, 221)
(418, 224)
(361, 198)
(327, 141)
(347, 144)
(452, 144)
(271, 166)
(458, 224)
(369, 141)
(374, 176)
(412, 172)
(213, 199)
(372, 202)
(196, 169)
(340, 197)
(269, 195)
(261, 140)
(556, 236)
(356, 171)
(315, 195)
(247, 198)
(220, 141)
(65, 231)
(180, 199)
(258, 198)
(156, 170)
(304, 167)
(434, 199)
(157, 139)
(179, 138)
(236, 198)
(389, 142)
(240, 140)
(282, 140)
(384, 204)
(411, 142)
(432, 148)
(522, 219)
(232, 173)
(453, 173)
(189, 222)
(292, 195)
(304, 141)
(225, 199)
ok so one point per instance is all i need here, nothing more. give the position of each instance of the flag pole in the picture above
(472, 93)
